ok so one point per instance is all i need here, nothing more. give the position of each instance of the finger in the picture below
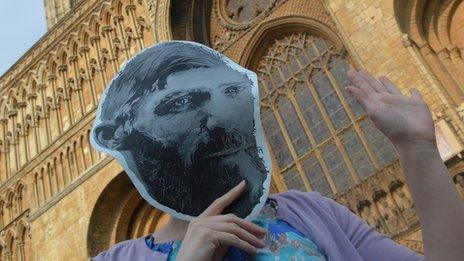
(391, 88)
(247, 225)
(362, 98)
(235, 229)
(228, 239)
(222, 202)
(415, 94)
(357, 92)
(378, 87)
(359, 81)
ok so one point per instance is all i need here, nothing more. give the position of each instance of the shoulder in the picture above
(123, 250)
(310, 199)
(311, 203)
(313, 195)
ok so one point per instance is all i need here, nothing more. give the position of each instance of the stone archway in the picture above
(120, 214)
(435, 28)
(189, 20)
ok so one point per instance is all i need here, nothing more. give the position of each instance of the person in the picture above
(186, 143)
(307, 226)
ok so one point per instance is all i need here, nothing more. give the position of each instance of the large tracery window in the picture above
(319, 136)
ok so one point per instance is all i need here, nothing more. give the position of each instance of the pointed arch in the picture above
(428, 23)
(94, 24)
(20, 191)
(83, 34)
(2, 213)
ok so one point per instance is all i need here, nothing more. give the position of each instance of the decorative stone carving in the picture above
(233, 24)
(141, 26)
(244, 11)
(82, 78)
(368, 213)
(71, 87)
(388, 211)
(18, 131)
(93, 67)
(129, 37)
(105, 58)
(459, 181)
(38, 114)
(404, 201)
(9, 139)
(220, 42)
(48, 106)
(117, 47)
(59, 96)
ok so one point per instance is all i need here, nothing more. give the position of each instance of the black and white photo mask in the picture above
(184, 122)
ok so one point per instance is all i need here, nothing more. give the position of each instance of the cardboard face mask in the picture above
(183, 120)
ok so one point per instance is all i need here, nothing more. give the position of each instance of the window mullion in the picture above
(331, 128)
(275, 167)
(317, 152)
(312, 140)
(352, 119)
(338, 143)
(293, 153)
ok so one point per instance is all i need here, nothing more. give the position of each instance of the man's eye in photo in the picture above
(181, 101)
(232, 90)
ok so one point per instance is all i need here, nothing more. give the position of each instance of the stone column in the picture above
(118, 19)
(14, 140)
(5, 148)
(107, 33)
(95, 40)
(22, 107)
(131, 10)
(63, 69)
(32, 97)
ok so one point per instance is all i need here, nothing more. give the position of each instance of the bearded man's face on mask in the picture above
(205, 134)
(189, 136)
(212, 119)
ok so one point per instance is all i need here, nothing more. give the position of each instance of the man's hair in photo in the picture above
(148, 71)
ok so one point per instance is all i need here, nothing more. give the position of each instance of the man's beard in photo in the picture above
(191, 188)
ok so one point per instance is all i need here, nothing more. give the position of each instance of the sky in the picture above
(22, 23)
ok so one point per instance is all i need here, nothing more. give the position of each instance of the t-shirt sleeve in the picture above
(370, 244)
(129, 250)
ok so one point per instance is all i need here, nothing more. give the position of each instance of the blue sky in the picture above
(22, 23)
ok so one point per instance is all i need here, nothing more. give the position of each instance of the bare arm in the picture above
(440, 210)
(407, 122)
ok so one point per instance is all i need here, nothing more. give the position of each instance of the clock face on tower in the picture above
(245, 11)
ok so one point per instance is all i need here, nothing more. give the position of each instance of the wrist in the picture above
(417, 146)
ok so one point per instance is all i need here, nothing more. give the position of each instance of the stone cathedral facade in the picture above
(62, 200)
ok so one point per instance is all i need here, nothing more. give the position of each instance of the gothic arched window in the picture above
(319, 136)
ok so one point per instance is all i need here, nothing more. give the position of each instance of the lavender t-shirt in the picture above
(340, 234)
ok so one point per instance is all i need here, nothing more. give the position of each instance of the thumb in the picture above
(415, 94)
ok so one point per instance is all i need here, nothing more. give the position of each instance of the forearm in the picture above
(439, 207)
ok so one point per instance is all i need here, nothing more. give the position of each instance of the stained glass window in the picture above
(318, 135)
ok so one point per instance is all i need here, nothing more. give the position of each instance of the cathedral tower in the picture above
(57, 9)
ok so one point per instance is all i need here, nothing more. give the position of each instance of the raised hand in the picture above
(402, 119)
(407, 122)
(210, 234)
